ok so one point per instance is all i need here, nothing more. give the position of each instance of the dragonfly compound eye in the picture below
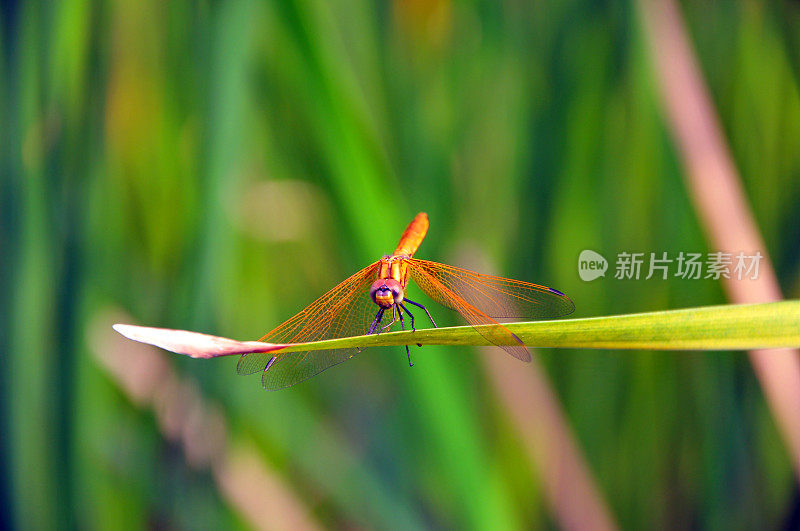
(386, 292)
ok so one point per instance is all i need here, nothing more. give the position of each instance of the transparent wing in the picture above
(494, 296)
(479, 298)
(344, 311)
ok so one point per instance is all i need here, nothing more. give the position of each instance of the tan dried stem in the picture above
(716, 190)
(541, 423)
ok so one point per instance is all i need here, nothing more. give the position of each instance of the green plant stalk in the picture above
(728, 327)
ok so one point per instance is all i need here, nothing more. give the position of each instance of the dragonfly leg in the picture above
(394, 319)
(409, 314)
(424, 308)
(403, 327)
(376, 322)
(374, 325)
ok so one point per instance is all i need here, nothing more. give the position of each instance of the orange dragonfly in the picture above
(349, 309)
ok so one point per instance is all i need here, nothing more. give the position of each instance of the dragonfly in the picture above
(376, 295)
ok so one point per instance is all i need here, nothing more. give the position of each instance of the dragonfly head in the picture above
(386, 292)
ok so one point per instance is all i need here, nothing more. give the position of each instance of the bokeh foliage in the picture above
(217, 165)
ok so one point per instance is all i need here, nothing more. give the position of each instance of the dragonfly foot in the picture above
(408, 353)
(373, 329)
(411, 315)
(424, 308)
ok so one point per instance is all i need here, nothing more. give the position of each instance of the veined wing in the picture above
(494, 296)
(479, 298)
(346, 310)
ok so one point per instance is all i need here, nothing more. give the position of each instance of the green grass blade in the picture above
(729, 327)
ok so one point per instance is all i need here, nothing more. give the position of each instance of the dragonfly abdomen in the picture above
(413, 236)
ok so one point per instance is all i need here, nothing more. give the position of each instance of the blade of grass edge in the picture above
(726, 327)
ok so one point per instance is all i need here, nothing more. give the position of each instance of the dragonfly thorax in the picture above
(386, 292)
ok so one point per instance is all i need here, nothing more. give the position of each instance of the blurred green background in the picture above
(215, 166)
